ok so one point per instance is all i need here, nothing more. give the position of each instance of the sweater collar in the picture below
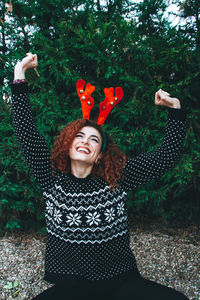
(80, 180)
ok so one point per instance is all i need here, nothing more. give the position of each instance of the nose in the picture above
(85, 141)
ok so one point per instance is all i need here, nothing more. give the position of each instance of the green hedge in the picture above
(133, 46)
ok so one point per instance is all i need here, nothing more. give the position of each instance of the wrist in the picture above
(176, 104)
(19, 72)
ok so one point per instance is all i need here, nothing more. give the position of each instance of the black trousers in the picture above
(136, 288)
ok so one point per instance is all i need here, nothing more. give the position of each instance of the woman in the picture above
(85, 181)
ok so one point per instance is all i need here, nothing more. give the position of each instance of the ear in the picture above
(99, 157)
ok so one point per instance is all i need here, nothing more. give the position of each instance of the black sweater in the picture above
(87, 225)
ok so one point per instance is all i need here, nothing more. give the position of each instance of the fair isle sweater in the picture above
(88, 235)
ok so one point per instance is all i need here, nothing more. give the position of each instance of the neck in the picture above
(80, 169)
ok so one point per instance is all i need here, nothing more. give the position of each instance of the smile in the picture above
(83, 150)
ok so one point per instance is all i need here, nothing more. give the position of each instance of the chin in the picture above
(80, 158)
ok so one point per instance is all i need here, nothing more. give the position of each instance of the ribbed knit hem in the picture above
(19, 88)
(74, 279)
(177, 114)
(19, 80)
(79, 179)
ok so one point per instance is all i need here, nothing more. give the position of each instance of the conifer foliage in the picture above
(107, 43)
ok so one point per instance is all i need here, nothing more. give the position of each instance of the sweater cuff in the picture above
(177, 114)
(19, 88)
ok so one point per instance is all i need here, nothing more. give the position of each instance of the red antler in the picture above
(87, 102)
(110, 101)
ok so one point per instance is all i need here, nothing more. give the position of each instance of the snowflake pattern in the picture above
(110, 214)
(93, 218)
(120, 208)
(57, 215)
(49, 208)
(73, 219)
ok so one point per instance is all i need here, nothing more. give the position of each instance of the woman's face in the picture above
(86, 146)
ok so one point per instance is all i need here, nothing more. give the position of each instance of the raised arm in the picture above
(33, 145)
(150, 166)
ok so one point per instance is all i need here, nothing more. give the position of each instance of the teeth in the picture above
(83, 149)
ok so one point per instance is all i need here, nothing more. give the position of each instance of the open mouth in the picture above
(83, 150)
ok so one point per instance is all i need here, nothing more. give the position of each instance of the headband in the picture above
(112, 97)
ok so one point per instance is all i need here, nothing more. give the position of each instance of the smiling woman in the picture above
(105, 160)
(85, 151)
(85, 181)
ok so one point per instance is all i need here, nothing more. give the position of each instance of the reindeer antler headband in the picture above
(113, 96)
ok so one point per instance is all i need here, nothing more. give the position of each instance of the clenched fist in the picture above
(28, 62)
(163, 98)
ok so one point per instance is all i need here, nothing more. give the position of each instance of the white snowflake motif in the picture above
(120, 208)
(110, 214)
(73, 219)
(57, 215)
(49, 208)
(93, 218)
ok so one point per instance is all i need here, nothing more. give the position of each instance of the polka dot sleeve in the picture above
(150, 166)
(33, 145)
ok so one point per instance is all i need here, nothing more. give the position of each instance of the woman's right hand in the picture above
(28, 62)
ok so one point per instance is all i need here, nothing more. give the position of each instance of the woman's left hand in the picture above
(163, 98)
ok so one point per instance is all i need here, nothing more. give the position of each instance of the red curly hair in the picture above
(111, 165)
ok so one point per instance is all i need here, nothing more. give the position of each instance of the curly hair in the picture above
(111, 165)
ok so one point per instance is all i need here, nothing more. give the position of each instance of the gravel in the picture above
(170, 256)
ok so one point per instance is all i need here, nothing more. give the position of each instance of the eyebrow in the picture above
(93, 135)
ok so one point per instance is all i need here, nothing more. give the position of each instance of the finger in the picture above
(165, 93)
(34, 57)
(162, 95)
(34, 60)
(158, 95)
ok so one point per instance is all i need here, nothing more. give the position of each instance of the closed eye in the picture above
(95, 140)
(92, 137)
(79, 135)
